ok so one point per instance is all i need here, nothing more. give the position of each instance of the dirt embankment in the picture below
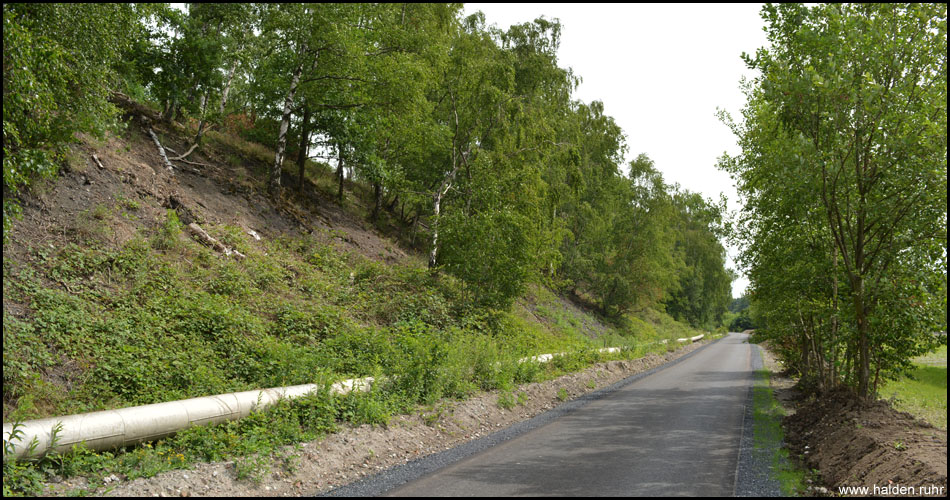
(865, 445)
(852, 443)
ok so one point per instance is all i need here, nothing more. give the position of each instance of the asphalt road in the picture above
(675, 432)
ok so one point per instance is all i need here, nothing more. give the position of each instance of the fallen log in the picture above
(161, 151)
(203, 237)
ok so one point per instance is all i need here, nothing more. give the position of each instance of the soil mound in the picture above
(855, 443)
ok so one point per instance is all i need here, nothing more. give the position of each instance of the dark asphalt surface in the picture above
(675, 432)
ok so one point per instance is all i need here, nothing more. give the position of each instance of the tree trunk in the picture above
(339, 174)
(282, 135)
(304, 147)
(378, 196)
(227, 88)
(834, 317)
(201, 121)
(391, 206)
(864, 358)
(412, 232)
(171, 111)
(436, 206)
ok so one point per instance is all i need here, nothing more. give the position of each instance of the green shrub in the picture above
(168, 233)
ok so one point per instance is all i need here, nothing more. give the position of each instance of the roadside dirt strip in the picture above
(869, 448)
(675, 431)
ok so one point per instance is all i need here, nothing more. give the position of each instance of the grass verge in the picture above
(923, 391)
(767, 416)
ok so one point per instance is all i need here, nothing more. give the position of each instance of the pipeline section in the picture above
(103, 430)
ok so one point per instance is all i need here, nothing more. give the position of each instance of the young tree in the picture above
(310, 43)
(851, 107)
(58, 71)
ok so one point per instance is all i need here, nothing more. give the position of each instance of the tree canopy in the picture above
(844, 176)
(466, 133)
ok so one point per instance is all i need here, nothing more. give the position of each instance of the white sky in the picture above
(661, 71)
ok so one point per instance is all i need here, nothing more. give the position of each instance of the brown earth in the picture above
(355, 452)
(851, 443)
(64, 210)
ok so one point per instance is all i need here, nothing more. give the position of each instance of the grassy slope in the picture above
(98, 323)
(923, 393)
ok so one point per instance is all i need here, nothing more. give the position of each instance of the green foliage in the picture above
(739, 305)
(506, 400)
(767, 414)
(506, 236)
(57, 72)
(741, 323)
(702, 292)
(169, 232)
(844, 175)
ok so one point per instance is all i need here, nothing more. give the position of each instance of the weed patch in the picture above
(767, 416)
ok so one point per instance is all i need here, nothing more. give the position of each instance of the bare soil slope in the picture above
(213, 193)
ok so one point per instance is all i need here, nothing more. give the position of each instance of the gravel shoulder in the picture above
(355, 452)
(754, 472)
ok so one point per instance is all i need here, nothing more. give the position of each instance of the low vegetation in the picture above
(922, 392)
(768, 435)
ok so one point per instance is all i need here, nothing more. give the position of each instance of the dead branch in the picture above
(182, 157)
(161, 151)
(203, 237)
(94, 157)
(195, 163)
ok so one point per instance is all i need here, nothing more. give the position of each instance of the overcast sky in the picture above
(661, 71)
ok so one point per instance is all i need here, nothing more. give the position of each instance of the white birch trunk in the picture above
(201, 122)
(284, 125)
(227, 88)
(435, 229)
(161, 151)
